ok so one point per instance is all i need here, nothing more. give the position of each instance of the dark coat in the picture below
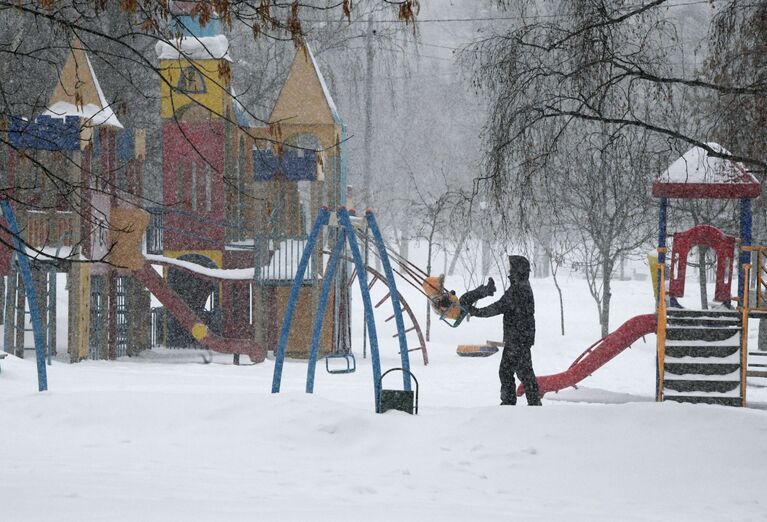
(518, 308)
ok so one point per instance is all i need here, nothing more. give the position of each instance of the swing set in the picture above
(346, 235)
(445, 303)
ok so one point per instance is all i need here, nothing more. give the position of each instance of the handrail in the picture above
(744, 333)
(661, 329)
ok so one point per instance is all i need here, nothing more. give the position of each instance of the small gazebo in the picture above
(702, 354)
(699, 175)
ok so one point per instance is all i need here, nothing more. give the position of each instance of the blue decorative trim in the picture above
(745, 240)
(295, 165)
(190, 26)
(126, 145)
(45, 133)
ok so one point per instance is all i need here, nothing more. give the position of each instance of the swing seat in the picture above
(476, 350)
(444, 303)
(402, 400)
(351, 363)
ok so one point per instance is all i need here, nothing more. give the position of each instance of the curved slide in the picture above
(597, 355)
(189, 320)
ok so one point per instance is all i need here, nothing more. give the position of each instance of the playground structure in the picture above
(702, 355)
(237, 201)
(346, 234)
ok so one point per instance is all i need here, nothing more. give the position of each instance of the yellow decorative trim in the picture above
(199, 331)
(217, 256)
(744, 333)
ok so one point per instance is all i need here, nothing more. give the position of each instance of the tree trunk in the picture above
(368, 143)
(457, 254)
(604, 316)
(428, 306)
(486, 256)
(761, 342)
(702, 277)
(404, 243)
(554, 270)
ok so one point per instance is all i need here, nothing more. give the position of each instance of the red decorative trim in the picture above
(706, 190)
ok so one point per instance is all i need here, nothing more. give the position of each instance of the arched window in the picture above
(190, 81)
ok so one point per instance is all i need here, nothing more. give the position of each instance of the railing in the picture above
(279, 259)
(157, 329)
(155, 231)
(744, 332)
(761, 276)
(661, 336)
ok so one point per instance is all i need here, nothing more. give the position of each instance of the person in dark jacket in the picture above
(518, 308)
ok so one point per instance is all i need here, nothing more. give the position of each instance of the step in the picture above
(689, 333)
(700, 369)
(694, 385)
(695, 399)
(680, 351)
(707, 322)
(684, 312)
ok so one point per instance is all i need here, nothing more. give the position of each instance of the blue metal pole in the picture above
(279, 356)
(34, 312)
(362, 278)
(327, 284)
(394, 296)
(745, 240)
(662, 216)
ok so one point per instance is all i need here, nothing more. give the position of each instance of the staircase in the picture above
(702, 362)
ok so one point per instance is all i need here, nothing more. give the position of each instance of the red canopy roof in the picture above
(699, 175)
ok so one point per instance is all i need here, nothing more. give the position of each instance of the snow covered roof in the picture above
(235, 274)
(92, 107)
(193, 48)
(698, 175)
(325, 90)
(92, 115)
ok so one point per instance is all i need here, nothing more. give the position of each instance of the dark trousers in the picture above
(517, 359)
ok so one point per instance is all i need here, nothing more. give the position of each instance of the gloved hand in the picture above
(490, 286)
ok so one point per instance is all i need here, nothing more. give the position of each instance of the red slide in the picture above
(597, 355)
(189, 320)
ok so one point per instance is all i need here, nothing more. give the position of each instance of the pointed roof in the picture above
(698, 175)
(78, 92)
(305, 97)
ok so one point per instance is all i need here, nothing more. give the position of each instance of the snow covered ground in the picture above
(161, 437)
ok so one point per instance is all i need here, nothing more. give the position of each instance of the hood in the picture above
(519, 268)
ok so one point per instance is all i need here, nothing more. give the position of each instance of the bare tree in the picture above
(432, 209)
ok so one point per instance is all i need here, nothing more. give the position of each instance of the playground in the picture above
(232, 353)
(163, 434)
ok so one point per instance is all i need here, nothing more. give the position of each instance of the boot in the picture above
(508, 398)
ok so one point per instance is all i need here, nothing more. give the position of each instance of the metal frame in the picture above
(346, 236)
(26, 275)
